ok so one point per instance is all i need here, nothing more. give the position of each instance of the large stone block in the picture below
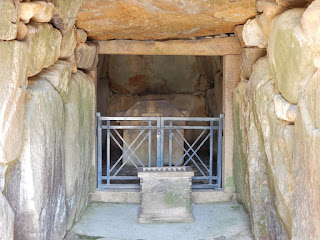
(310, 24)
(252, 34)
(86, 56)
(58, 75)
(6, 219)
(306, 168)
(79, 135)
(65, 14)
(35, 185)
(44, 47)
(290, 56)
(249, 56)
(9, 19)
(165, 194)
(13, 65)
(37, 11)
(68, 44)
(264, 161)
(153, 74)
(148, 19)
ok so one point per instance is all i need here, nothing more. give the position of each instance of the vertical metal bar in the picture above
(158, 144)
(108, 152)
(219, 157)
(211, 152)
(170, 145)
(149, 147)
(99, 150)
(162, 142)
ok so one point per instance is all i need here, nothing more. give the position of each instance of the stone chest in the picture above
(165, 194)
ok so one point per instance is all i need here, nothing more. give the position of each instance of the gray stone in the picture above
(6, 219)
(249, 56)
(81, 36)
(13, 65)
(35, 185)
(306, 169)
(85, 56)
(65, 14)
(58, 75)
(165, 194)
(291, 59)
(79, 139)
(68, 44)
(9, 19)
(3, 168)
(153, 74)
(44, 47)
(284, 110)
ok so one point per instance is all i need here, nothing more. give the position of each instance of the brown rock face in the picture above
(155, 19)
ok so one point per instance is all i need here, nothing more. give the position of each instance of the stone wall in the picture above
(276, 109)
(47, 106)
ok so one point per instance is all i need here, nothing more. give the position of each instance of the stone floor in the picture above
(105, 221)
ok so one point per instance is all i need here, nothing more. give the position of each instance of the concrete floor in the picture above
(105, 221)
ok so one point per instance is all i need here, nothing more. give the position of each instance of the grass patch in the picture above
(80, 236)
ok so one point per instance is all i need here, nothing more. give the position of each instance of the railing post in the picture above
(99, 151)
(219, 157)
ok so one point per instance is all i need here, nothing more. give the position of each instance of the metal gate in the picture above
(132, 142)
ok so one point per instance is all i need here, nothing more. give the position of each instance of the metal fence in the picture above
(126, 143)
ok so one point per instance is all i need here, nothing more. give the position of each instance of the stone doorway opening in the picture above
(159, 86)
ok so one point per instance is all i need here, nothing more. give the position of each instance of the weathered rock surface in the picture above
(65, 14)
(290, 56)
(9, 19)
(22, 31)
(265, 159)
(147, 19)
(85, 55)
(13, 65)
(293, 3)
(249, 56)
(284, 110)
(79, 140)
(306, 195)
(153, 74)
(310, 24)
(238, 32)
(44, 47)
(68, 44)
(58, 75)
(37, 11)
(35, 183)
(252, 34)
(6, 219)
(81, 36)
(72, 61)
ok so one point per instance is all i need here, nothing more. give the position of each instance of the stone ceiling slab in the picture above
(162, 19)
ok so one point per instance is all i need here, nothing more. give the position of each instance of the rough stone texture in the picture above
(13, 65)
(263, 160)
(153, 74)
(22, 31)
(165, 195)
(249, 56)
(68, 44)
(6, 220)
(35, 183)
(306, 195)
(284, 110)
(290, 56)
(37, 11)
(310, 24)
(85, 56)
(238, 32)
(253, 35)
(9, 19)
(81, 36)
(147, 19)
(293, 3)
(72, 61)
(79, 140)
(58, 75)
(65, 14)
(269, 8)
(44, 47)
(3, 168)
